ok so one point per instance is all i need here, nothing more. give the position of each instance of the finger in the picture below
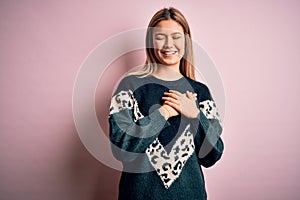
(191, 95)
(173, 95)
(170, 99)
(173, 105)
(175, 92)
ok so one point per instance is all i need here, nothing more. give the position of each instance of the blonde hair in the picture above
(186, 66)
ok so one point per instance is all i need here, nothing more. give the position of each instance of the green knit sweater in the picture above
(162, 159)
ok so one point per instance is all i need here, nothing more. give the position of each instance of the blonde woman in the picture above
(164, 125)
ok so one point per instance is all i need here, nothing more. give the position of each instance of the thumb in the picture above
(190, 95)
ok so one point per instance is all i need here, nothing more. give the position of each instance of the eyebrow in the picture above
(160, 33)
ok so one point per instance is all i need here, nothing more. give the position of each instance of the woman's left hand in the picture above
(184, 103)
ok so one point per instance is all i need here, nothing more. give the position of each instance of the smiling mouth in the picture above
(168, 52)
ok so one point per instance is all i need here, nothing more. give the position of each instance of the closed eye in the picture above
(177, 36)
(159, 37)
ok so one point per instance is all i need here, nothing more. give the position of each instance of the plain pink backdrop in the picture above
(254, 44)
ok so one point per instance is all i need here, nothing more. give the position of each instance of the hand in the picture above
(182, 103)
(167, 111)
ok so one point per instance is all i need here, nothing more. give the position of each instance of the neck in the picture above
(167, 72)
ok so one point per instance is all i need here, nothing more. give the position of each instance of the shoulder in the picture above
(129, 79)
(198, 86)
(128, 83)
(201, 89)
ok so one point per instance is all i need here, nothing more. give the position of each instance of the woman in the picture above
(163, 124)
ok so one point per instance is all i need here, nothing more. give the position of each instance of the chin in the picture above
(169, 61)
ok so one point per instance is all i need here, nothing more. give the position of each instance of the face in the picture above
(169, 42)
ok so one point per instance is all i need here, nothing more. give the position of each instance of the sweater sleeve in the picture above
(208, 142)
(130, 131)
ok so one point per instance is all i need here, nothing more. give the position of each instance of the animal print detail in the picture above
(169, 166)
(209, 109)
(125, 100)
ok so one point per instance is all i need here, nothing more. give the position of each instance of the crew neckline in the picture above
(167, 81)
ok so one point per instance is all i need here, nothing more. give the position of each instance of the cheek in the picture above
(158, 44)
(157, 47)
(180, 44)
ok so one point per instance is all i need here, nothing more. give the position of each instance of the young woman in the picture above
(164, 125)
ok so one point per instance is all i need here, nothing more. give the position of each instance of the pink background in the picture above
(254, 44)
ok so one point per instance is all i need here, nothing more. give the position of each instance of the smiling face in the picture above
(169, 42)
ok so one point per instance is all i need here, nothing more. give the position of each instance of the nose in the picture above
(168, 43)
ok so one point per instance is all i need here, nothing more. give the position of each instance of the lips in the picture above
(164, 52)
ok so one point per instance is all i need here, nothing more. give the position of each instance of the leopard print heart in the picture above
(169, 166)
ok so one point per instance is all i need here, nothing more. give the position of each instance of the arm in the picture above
(205, 123)
(208, 142)
(130, 131)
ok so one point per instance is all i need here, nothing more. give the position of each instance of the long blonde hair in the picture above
(186, 66)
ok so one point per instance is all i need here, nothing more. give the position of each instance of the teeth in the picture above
(169, 52)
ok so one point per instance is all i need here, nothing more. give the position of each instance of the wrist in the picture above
(164, 112)
(195, 115)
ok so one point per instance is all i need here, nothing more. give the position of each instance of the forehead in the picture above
(168, 26)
